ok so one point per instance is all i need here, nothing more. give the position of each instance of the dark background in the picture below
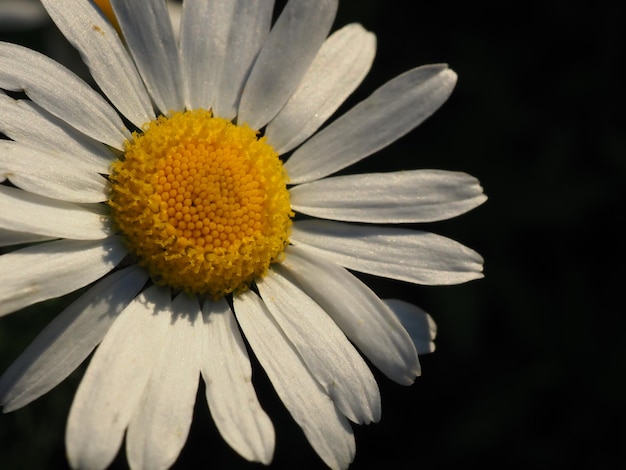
(529, 366)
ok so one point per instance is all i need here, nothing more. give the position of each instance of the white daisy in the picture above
(185, 224)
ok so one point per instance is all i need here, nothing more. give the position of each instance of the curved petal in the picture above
(159, 428)
(328, 354)
(219, 40)
(50, 175)
(358, 311)
(285, 57)
(339, 67)
(86, 27)
(28, 124)
(327, 430)
(229, 391)
(406, 255)
(12, 237)
(53, 269)
(61, 93)
(392, 198)
(419, 324)
(390, 112)
(148, 32)
(116, 379)
(40, 215)
(68, 339)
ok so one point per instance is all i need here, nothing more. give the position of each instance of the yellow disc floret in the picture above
(203, 203)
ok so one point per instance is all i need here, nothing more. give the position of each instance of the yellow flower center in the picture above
(203, 204)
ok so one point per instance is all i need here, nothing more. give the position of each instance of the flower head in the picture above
(196, 203)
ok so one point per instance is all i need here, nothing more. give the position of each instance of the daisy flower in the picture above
(193, 203)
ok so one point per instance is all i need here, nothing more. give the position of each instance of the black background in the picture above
(529, 366)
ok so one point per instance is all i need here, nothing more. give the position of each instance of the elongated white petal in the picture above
(419, 324)
(228, 377)
(50, 175)
(364, 318)
(61, 93)
(147, 29)
(159, 427)
(203, 42)
(390, 112)
(116, 379)
(53, 269)
(11, 237)
(398, 197)
(327, 430)
(285, 57)
(406, 255)
(68, 339)
(86, 27)
(219, 40)
(328, 354)
(26, 212)
(339, 67)
(247, 30)
(28, 124)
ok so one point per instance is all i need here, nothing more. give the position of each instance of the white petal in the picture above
(327, 430)
(158, 430)
(28, 124)
(203, 42)
(228, 377)
(116, 379)
(398, 197)
(147, 29)
(339, 67)
(219, 40)
(328, 354)
(390, 112)
(61, 93)
(89, 31)
(288, 52)
(419, 324)
(68, 339)
(406, 255)
(53, 269)
(27, 212)
(50, 175)
(362, 316)
(249, 24)
(11, 237)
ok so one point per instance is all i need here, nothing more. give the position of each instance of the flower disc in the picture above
(202, 203)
